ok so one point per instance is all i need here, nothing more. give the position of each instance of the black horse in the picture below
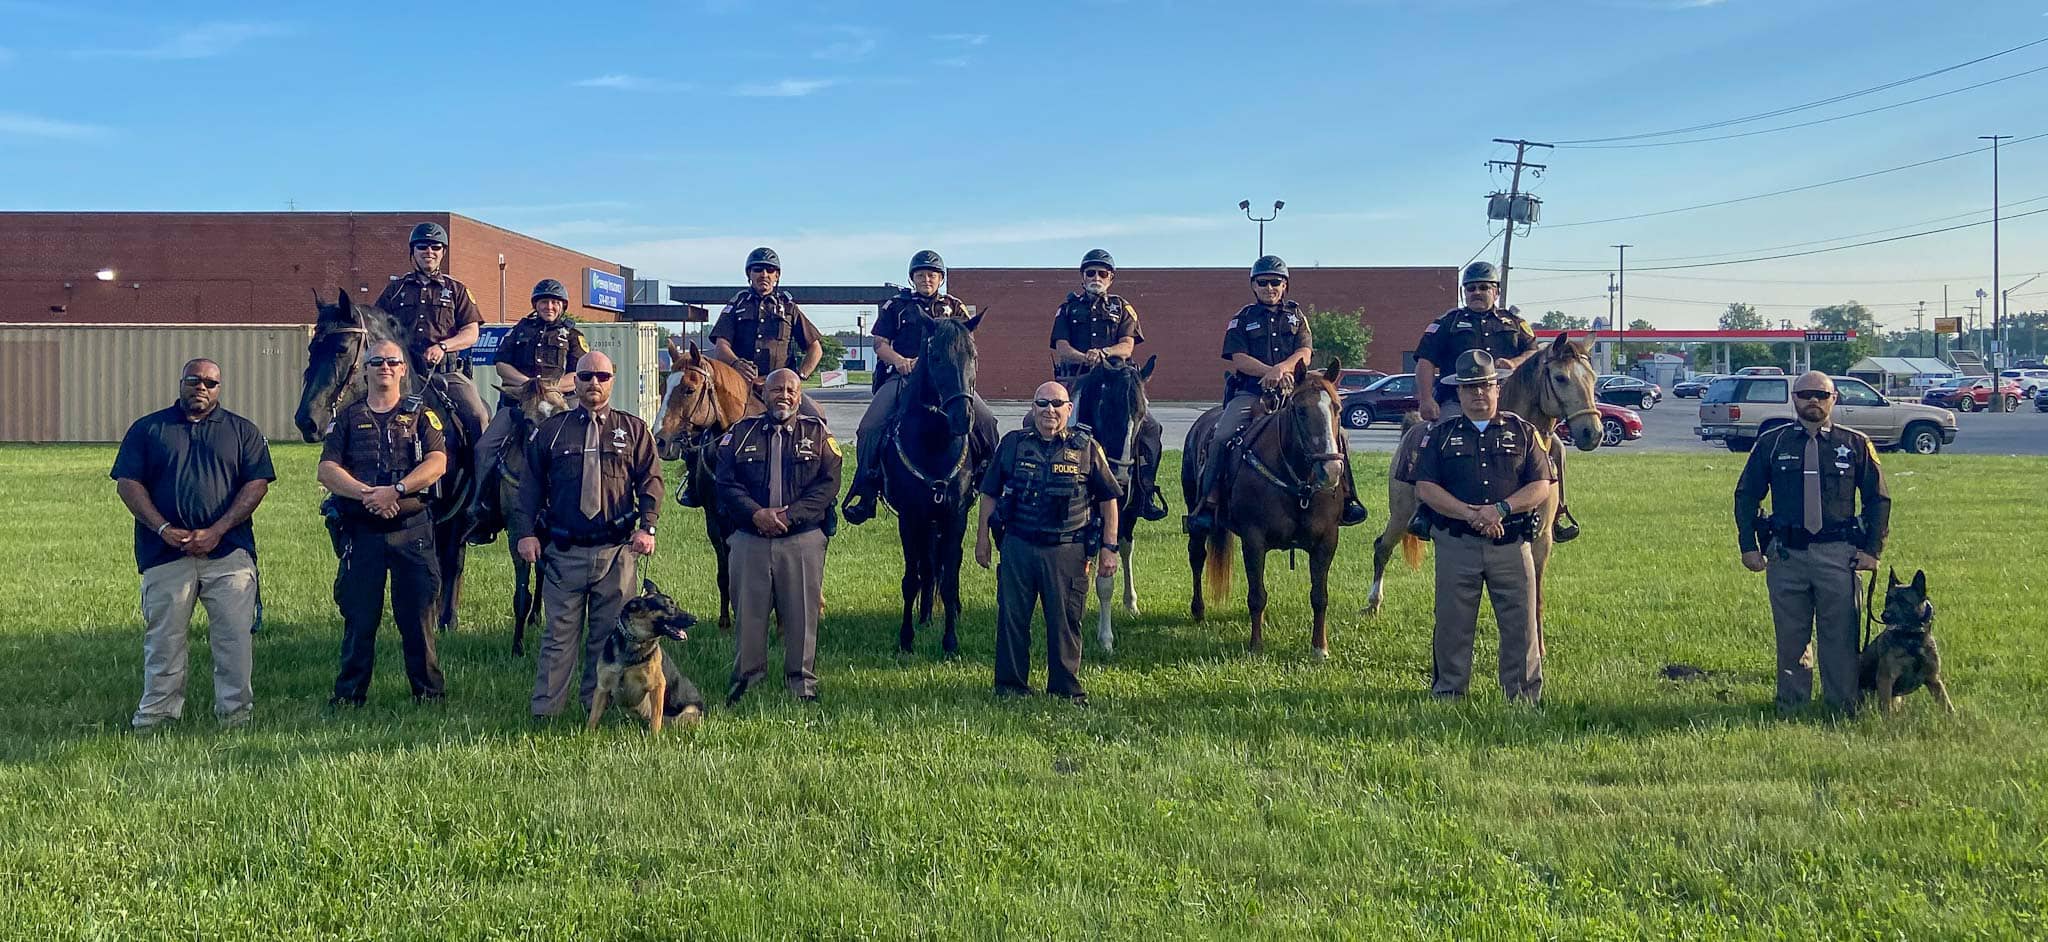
(929, 473)
(1111, 401)
(333, 379)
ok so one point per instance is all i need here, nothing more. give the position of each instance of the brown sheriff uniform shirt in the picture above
(1091, 324)
(810, 471)
(430, 308)
(553, 489)
(1482, 467)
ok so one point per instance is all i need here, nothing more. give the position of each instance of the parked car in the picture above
(1350, 381)
(1761, 371)
(2041, 403)
(1695, 387)
(1617, 425)
(1383, 401)
(1738, 409)
(1627, 391)
(2030, 380)
(1970, 394)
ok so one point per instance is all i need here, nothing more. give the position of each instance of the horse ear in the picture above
(974, 321)
(1920, 581)
(696, 355)
(1150, 362)
(1562, 345)
(1300, 373)
(343, 301)
(1336, 369)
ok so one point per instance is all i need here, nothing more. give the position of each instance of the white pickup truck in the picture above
(1737, 409)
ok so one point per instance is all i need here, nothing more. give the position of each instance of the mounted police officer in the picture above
(1043, 485)
(1482, 473)
(1477, 325)
(544, 345)
(1093, 325)
(900, 328)
(440, 319)
(1263, 343)
(1811, 546)
(762, 330)
(381, 452)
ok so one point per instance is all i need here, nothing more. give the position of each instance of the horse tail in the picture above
(1216, 568)
(1411, 550)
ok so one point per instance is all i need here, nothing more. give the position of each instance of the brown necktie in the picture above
(775, 467)
(1811, 499)
(592, 499)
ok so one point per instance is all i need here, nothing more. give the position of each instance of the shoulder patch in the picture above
(1231, 325)
(1433, 325)
(1870, 448)
(1527, 329)
(726, 440)
(433, 419)
(833, 444)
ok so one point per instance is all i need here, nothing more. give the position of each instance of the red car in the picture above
(1617, 425)
(1978, 389)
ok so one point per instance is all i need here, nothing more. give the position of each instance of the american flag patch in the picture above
(1431, 328)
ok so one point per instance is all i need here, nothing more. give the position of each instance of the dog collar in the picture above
(626, 642)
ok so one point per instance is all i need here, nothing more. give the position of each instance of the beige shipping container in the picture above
(89, 382)
(635, 350)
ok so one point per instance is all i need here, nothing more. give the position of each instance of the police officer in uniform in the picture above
(762, 330)
(899, 333)
(440, 319)
(778, 477)
(1090, 326)
(1478, 325)
(1262, 344)
(1043, 485)
(1814, 541)
(587, 507)
(546, 345)
(1482, 472)
(381, 452)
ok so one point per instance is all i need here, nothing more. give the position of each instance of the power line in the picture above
(1924, 280)
(1792, 245)
(1838, 248)
(1745, 119)
(1797, 189)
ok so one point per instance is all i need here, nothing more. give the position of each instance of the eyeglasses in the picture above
(757, 269)
(1052, 403)
(1096, 273)
(416, 246)
(1816, 395)
(1269, 282)
(593, 376)
(1480, 286)
(201, 382)
(374, 362)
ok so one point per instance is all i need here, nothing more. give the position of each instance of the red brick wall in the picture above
(249, 268)
(1182, 312)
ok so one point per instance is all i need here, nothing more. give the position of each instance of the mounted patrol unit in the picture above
(544, 345)
(762, 329)
(439, 317)
(1476, 325)
(1090, 326)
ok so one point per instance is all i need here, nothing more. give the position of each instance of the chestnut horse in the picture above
(709, 397)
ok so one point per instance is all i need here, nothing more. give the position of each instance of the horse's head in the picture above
(691, 409)
(1310, 409)
(340, 333)
(538, 400)
(945, 371)
(1111, 401)
(1561, 379)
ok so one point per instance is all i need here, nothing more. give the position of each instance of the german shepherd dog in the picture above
(1903, 659)
(632, 672)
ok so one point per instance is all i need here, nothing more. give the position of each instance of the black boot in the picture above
(484, 518)
(859, 506)
(686, 495)
(1565, 528)
(1354, 512)
(1151, 503)
(1204, 517)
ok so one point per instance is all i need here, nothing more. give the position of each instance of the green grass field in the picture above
(1206, 793)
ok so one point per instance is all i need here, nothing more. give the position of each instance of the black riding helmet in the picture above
(1098, 257)
(550, 288)
(764, 257)
(1270, 265)
(927, 260)
(428, 232)
(1480, 272)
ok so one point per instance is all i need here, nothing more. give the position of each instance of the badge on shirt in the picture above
(401, 420)
(447, 294)
(1842, 452)
(1293, 320)
(1507, 436)
(806, 449)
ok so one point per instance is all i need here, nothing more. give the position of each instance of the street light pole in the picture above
(1621, 295)
(1246, 205)
(1997, 402)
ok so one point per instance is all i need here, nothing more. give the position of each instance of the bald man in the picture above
(1814, 541)
(586, 509)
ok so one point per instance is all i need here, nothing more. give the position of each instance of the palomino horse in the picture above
(709, 397)
(334, 379)
(929, 473)
(537, 401)
(1284, 492)
(1111, 401)
(1555, 385)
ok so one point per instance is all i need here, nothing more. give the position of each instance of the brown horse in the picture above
(709, 397)
(1283, 491)
(538, 400)
(1555, 385)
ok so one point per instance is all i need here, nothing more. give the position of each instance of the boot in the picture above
(1152, 503)
(685, 494)
(1354, 512)
(859, 506)
(484, 518)
(1204, 517)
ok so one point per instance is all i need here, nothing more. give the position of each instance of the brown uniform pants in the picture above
(1031, 576)
(1813, 593)
(227, 587)
(783, 575)
(582, 590)
(1465, 564)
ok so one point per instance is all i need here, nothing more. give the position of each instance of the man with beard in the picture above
(1093, 325)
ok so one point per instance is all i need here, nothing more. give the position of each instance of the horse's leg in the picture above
(1319, 597)
(722, 552)
(454, 554)
(906, 531)
(1198, 556)
(1129, 538)
(1539, 551)
(1105, 583)
(1255, 589)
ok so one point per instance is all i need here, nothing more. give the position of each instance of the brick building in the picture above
(256, 268)
(1182, 312)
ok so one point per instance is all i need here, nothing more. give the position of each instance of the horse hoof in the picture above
(1255, 648)
(724, 623)
(1371, 608)
(1321, 654)
(1132, 609)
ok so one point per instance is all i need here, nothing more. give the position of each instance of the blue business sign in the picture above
(604, 291)
(488, 337)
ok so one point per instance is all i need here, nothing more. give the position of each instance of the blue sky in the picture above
(674, 136)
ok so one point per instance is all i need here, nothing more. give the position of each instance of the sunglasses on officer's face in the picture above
(374, 362)
(1269, 282)
(1817, 395)
(1096, 273)
(593, 376)
(201, 382)
(1051, 403)
(436, 246)
(1480, 286)
(757, 269)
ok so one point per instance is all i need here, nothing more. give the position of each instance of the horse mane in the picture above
(1522, 394)
(1110, 416)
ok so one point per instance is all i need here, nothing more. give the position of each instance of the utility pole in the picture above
(1920, 328)
(1507, 245)
(1997, 401)
(1610, 300)
(1621, 293)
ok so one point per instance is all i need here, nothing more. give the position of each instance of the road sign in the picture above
(1948, 325)
(1827, 336)
(604, 291)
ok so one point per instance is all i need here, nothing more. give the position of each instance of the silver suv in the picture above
(1736, 410)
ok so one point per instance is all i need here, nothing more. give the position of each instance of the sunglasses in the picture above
(757, 269)
(416, 246)
(1096, 273)
(1817, 395)
(1269, 282)
(1052, 403)
(1480, 286)
(201, 382)
(374, 362)
(593, 376)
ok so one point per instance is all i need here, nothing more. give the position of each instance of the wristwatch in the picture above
(648, 529)
(1505, 510)
(1113, 547)
(399, 488)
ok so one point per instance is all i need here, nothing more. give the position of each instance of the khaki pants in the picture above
(1464, 565)
(492, 444)
(469, 407)
(227, 587)
(1813, 595)
(1054, 579)
(582, 590)
(783, 575)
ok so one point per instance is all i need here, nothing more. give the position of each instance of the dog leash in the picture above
(1869, 614)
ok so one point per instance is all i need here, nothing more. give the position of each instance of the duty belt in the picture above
(1052, 539)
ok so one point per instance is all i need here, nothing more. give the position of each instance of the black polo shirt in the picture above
(192, 471)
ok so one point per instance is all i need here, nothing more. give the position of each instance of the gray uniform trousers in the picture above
(1813, 592)
(469, 406)
(1464, 564)
(784, 575)
(227, 587)
(1237, 413)
(492, 444)
(1031, 576)
(582, 590)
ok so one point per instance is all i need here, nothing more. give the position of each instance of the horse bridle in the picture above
(1302, 491)
(1557, 402)
(349, 371)
(936, 485)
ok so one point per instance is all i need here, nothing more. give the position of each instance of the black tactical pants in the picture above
(406, 555)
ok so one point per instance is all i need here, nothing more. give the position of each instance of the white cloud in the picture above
(204, 41)
(631, 83)
(29, 125)
(969, 39)
(854, 44)
(953, 62)
(786, 88)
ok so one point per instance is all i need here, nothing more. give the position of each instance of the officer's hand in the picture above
(529, 548)
(1754, 561)
(748, 370)
(1865, 562)
(1426, 405)
(1486, 517)
(1106, 561)
(432, 355)
(172, 536)
(766, 523)
(207, 540)
(382, 501)
(909, 364)
(642, 543)
(983, 552)
(1276, 378)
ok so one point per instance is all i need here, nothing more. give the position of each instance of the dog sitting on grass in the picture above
(632, 671)
(1902, 659)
